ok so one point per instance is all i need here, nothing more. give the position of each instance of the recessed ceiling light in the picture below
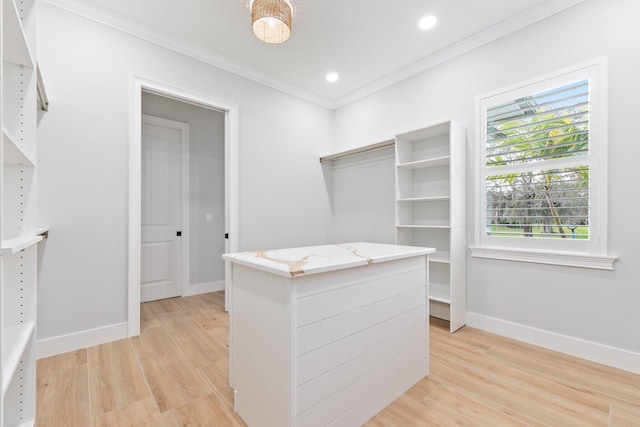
(428, 22)
(332, 77)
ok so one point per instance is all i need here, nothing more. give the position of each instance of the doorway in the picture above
(228, 114)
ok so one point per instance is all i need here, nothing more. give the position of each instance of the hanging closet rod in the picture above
(359, 150)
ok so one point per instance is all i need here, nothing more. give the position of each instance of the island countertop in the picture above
(292, 262)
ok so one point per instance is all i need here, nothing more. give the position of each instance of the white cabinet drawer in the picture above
(327, 331)
(412, 362)
(343, 376)
(322, 360)
(327, 304)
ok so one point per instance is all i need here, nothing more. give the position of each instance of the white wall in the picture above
(595, 306)
(83, 165)
(206, 183)
(361, 206)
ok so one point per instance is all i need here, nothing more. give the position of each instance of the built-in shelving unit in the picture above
(18, 234)
(430, 211)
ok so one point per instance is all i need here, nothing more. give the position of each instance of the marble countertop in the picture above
(292, 262)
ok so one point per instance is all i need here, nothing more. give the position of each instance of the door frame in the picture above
(184, 190)
(138, 85)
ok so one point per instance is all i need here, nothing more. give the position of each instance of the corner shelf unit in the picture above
(430, 211)
(18, 233)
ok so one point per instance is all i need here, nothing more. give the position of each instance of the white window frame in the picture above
(591, 253)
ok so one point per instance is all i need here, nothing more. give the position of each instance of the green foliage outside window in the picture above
(534, 144)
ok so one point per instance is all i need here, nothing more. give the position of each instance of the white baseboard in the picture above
(64, 343)
(599, 353)
(203, 288)
(82, 339)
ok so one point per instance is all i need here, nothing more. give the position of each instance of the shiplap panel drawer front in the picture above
(322, 360)
(354, 397)
(320, 283)
(321, 306)
(381, 397)
(342, 376)
(327, 331)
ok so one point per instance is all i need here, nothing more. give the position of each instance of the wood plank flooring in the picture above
(176, 374)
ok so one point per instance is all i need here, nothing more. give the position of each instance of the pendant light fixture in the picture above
(271, 20)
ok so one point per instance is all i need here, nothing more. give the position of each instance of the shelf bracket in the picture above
(43, 100)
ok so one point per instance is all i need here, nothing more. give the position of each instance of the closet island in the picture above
(326, 335)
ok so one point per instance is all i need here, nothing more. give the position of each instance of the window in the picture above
(542, 170)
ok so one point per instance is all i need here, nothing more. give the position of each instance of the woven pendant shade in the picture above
(271, 20)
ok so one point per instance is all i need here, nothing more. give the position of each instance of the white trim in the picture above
(599, 353)
(135, 205)
(231, 195)
(203, 288)
(599, 262)
(186, 209)
(137, 86)
(133, 28)
(82, 339)
(184, 191)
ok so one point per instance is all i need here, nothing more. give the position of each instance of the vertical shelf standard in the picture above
(18, 235)
(430, 211)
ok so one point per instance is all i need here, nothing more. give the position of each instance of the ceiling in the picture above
(369, 43)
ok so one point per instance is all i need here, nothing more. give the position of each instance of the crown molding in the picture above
(136, 29)
(133, 28)
(513, 24)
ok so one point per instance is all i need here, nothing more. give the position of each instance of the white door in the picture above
(161, 224)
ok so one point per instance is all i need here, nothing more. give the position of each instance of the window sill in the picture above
(599, 262)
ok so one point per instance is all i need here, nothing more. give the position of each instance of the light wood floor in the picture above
(175, 374)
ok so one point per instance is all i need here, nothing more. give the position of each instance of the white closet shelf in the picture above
(358, 150)
(16, 244)
(17, 51)
(439, 292)
(423, 226)
(425, 199)
(440, 256)
(428, 132)
(426, 163)
(42, 231)
(16, 339)
(12, 153)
